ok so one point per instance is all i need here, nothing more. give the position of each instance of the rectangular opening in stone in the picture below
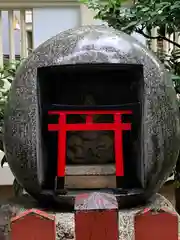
(90, 155)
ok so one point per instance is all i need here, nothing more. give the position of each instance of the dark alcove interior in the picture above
(92, 85)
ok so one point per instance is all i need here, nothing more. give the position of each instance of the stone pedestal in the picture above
(65, 224)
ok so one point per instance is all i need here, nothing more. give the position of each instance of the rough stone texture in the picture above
(168, 191)
(65, 221)
(93, 44)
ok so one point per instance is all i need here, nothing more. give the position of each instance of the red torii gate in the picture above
(117, 126)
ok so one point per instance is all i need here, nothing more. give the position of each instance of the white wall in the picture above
(6, 176)
(48, 22)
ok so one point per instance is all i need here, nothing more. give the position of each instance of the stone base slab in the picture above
(65, 224)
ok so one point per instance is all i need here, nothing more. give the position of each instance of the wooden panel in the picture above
(31, 225)
(90, 182)
(6, 192)
(11, 35)
(93, 224)
(87, 15)
(23, 43)
(154, 41)
(75, 170)
(156, 226)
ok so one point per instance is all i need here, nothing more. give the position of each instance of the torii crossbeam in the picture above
(62, 127)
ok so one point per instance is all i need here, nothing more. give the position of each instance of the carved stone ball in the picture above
(93, 44)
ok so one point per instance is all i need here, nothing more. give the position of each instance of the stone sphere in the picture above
(160, 139)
